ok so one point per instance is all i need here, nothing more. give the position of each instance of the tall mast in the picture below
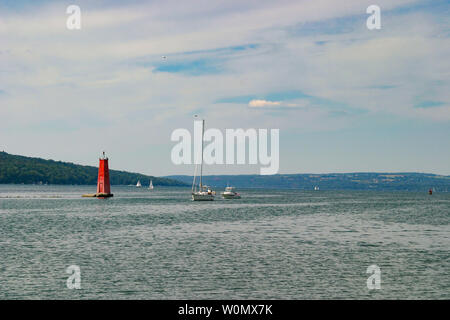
(201, 164)
(194, 187)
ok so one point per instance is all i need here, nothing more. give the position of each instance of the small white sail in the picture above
(151, 185)
(138, 184)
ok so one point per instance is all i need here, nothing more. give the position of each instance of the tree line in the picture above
(21, 169)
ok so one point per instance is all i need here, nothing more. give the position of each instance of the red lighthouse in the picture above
(103, 186)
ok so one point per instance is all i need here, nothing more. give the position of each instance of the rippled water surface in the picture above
(270, 244)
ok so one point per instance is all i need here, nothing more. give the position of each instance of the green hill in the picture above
(20, 169)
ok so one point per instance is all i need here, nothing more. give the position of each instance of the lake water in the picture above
(270, 244)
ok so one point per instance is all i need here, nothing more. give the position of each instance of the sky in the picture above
(345, 98)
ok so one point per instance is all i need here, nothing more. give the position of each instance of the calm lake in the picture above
(271, 244)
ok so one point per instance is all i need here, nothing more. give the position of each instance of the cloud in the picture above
(263, 103)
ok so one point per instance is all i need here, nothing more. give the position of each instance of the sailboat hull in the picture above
(202, 196)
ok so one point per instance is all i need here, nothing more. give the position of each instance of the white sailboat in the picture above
(151, 185)
(138, 184)
(201, 192)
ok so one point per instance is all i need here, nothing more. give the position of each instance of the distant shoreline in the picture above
(19, 170)
(27, 170)
(390, 181)
(241, 189)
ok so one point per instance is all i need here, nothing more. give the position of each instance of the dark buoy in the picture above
(430, 192)
(103, 186)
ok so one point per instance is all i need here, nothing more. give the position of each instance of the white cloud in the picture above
(260, 103)
(263, 103)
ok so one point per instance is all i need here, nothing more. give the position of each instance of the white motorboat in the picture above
(230, 193)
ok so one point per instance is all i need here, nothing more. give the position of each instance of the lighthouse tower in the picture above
(103, 186)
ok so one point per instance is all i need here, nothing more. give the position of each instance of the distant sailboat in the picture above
(151, 185)
(138, 184)
(316, 188)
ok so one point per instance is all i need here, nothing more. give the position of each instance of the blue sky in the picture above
(345, 98)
